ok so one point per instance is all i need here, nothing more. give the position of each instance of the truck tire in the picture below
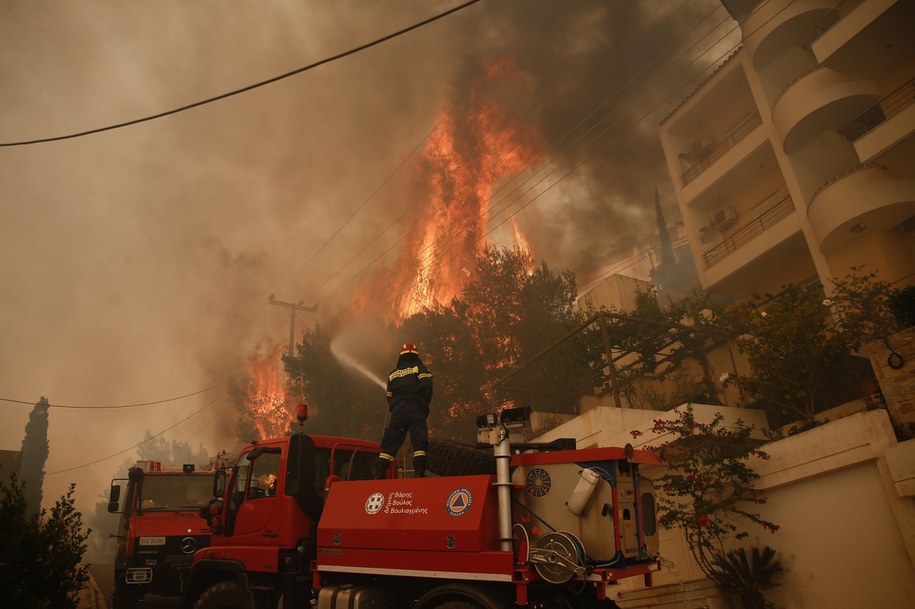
(225, 595)
(452, 459)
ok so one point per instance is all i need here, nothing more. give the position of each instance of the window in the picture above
(176, 491)
(264, 474)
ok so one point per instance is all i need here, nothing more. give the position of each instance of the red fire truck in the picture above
(552, 528)
(159, 530)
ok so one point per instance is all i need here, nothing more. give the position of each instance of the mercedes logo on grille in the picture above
(188, 545)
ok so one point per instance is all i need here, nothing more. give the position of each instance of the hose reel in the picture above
(558, 557)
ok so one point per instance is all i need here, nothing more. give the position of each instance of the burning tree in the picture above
(341, 401)
(266, 397)
(261, 396)
(506, 312)
(475, 149)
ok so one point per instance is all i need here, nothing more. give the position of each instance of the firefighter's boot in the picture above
(419, 467)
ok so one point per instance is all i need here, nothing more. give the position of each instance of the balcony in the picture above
(819, 100)
(866, 198)
(856, 37)
(886, 123)
(775, 26)
(705, 158)
(835, 14)
(748, 232)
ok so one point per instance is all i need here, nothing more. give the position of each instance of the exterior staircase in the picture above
(696, 594)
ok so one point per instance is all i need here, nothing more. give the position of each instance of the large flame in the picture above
(473, 150)
(266, 398)
(523, 246)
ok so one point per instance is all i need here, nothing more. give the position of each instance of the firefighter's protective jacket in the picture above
(410, 383)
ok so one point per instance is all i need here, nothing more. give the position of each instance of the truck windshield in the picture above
(176, 492)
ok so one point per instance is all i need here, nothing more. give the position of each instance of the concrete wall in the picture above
(616, 292)
(843, 494)
(847, 536)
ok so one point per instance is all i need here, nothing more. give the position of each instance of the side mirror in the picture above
(301, 477)
(219, 483)
(211, 513)
(114, 498)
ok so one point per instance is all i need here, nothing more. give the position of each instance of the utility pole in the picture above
(294, 308)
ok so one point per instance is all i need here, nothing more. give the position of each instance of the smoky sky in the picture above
(136, 264)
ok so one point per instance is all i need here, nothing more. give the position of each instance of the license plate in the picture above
(152, 541)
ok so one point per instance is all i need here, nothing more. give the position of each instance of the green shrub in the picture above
(902, 304)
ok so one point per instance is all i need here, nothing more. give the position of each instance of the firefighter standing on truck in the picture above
(409, 392)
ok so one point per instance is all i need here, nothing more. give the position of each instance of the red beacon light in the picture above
(301, 413)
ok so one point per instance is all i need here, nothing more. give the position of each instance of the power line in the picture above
(163, 401)
(262, 83)
(121, 452)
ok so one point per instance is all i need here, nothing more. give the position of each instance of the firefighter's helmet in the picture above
(409, 348)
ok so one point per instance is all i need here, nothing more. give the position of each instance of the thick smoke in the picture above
(136, 263)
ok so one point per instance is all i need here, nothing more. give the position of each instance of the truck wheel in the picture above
(452, 459)
(225, 595)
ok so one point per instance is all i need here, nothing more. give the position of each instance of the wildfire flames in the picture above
(266, 399)
(474, 149)
(465, 160)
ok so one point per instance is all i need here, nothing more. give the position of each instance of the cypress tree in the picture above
(34, 455)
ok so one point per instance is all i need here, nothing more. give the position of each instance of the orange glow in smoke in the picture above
(266, 394)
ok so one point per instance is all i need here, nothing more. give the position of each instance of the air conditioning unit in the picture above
(724, 218)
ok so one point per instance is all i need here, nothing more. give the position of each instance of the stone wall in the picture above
(894, 367)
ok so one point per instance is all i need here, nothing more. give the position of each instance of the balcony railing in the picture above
(795, 80)
(734, 136)
(835, 14)
(845, 174)
(745, 234)
(886, 108)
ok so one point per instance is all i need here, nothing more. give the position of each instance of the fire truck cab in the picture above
(265, 516)
(159, 530)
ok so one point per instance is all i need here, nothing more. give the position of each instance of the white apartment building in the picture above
(795, 160)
